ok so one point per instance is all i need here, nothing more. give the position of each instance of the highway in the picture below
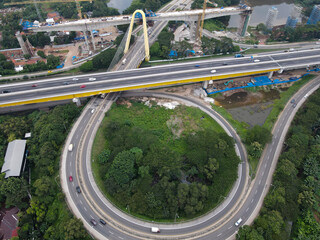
(91, 204)
(66, 88)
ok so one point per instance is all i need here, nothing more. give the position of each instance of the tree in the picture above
(155, 49)
(165, 38)
(27, 56)
(122, 169)
(271, 222)
(41, 54)
(44, 189)
(15, 191)
(52, 61)
(211, 168)
(104, 59)
(248, 233)
(74, 229)
(87, 66)
(258, 134)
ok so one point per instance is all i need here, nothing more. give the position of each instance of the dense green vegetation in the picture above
(300, 33)
(159, 162)
(291, 208)
(46, 215)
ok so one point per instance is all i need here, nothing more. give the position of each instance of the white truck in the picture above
(124, 61)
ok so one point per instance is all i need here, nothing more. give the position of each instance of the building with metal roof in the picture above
(14, 158)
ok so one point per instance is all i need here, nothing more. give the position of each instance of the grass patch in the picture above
(279, 104)
(240, 127)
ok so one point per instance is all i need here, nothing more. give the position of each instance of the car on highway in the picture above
(92, 111)
(307, 95)
(94, 223)
(294, 105)
(155, 229)
(256, 60)
(103, 222)
(224, 63)
(237, 223)
(49, 71)
(82, 86)
(6, 91)
(34, 85)
(293, 101)
(66, 83)
(70, 178)
(75, 79)
(197, 65)
(213, 71)
(92, 79)
(78, 189)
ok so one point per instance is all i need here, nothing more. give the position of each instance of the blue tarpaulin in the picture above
(258, 82)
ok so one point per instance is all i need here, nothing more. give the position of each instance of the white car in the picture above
(75, 79)
(256, 60)
(237, 223)
(213, 71)
(92, 79)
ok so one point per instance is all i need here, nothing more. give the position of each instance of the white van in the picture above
(70, 147)
(155, 230)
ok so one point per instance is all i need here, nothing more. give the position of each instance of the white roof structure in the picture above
(14, 158)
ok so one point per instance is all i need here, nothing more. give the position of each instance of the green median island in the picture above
(163, 164)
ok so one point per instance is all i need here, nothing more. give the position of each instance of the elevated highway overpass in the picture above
(98, 23)
(79, 86)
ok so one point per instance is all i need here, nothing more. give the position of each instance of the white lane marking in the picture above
(230, 227)
(265, 165)
(70, 164)
(73, 184)
(219, 234)
(251, 200)
(80, 202)
(256, 192)
(262, 173)
(80, 129)
(260, 182)
(110, 232)
(247, 209)
(120, 237)
(91, 216)
(77, 136)
(85, 209)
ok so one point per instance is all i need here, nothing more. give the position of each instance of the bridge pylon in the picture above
(145, 33)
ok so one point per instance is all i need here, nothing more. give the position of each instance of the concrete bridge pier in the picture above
(92, 40)
(193, 30)
(244, 22)
(270, 75)
(77, 101)
(205, 84)
(22, 43)
(86, 38)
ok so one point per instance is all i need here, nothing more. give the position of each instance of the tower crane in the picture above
(51, 1)
(201, 21)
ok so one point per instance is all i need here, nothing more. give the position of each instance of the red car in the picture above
(70, 178)
(34, 85)
(82, 86)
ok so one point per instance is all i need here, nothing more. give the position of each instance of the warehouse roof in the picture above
(14, 158)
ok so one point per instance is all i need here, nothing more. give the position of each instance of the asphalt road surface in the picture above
(163, 74)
